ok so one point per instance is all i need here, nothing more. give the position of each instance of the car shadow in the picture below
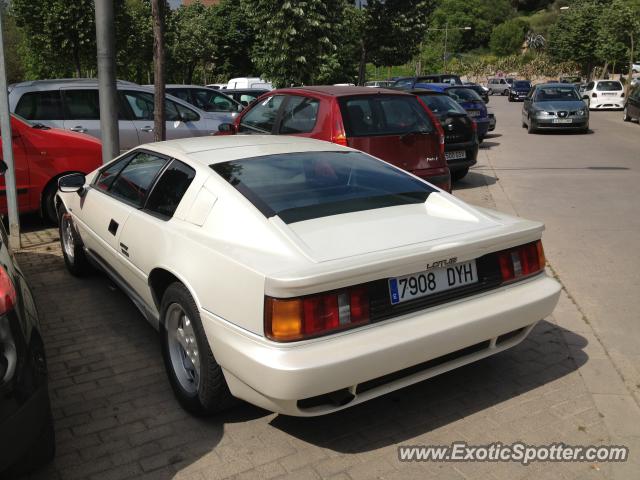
(110, 396)
(424, 407)
(485, 145)
(474, 179)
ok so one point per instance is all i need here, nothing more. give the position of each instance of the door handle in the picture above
(146, 129)
(79, 129)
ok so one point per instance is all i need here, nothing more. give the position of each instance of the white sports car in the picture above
(299, 275)
(604, 95)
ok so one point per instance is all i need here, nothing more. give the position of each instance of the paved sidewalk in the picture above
(116, 417)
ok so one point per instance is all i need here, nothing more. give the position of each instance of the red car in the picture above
(41, 155)
(394, 126)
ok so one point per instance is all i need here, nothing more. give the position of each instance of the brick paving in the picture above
(116, 417)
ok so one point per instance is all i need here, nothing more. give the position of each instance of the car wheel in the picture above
(48, 208)
(490, 92)
(625, 115)
(531, 127)
(510, 99)
(459, 174)
(195, 376)
(505, 92)
(72, 249)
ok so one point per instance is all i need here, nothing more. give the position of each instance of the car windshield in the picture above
(377, 115)
(463, 95)
(609, 86)
(441, 104)
(551, 94)
(522, 84)
(307, 185)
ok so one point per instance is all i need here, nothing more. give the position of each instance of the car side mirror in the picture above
(244, 103)
(3, 167)
(228, 128)
(74, 182)
(241, 106)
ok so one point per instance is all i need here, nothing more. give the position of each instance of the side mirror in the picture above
(244, 103)
(3, 167)
(241, 107)
(74, 182)
(228, 128)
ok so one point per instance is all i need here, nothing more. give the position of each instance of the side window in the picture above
(81, 104)
(299, 115)
(170, 188)
(134, 181)
(183, 113)
(181, 93)
(590, 86)
(106, 177)
(404, 83)
(141, 105)
(40, 106)
(212, 101)
(262, 116)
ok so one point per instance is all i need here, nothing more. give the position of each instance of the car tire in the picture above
(625, 115)
(73, 252)
(459, 174)
(48, 207)
(510, 99)
(39, 454)
(490, 92)
(531, 127)
(195, 376)
(505, 92)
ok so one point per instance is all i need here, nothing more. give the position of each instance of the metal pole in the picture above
(7, 152)
(444, 55)
(105, 42)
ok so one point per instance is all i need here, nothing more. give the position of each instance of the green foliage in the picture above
(134, 41)
(12, 41)
(59, 36)
(615, 24)
(233, 36)
(507, 38)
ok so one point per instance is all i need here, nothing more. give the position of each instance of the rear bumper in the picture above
(471, 150)
(606, 104)
(440, 177)
(364, 363)
(483, 126)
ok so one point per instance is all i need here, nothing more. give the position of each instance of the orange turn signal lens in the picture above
(283, 318)
(541, 258)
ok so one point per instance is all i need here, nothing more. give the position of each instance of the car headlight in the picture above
(542, 113)
(580, 113)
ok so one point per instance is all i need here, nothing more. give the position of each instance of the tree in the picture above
(614, 26)
(292, 38)
(12, 43)
(233, 36)
(158, 8)
(507, 38)
(392, 31)
(574, 37)
(59, 35)
(134, 40)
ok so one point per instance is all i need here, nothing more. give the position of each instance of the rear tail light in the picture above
(622, 95)
(519, 262)
(338, 133)
(594, 95)
(288, 319)
(474, 126)
(7, 293)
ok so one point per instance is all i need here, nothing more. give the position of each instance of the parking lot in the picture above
(575, 379)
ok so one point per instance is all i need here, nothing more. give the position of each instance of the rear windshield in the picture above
(308, 185)
(522, 84)
(463, 95)
(550, 94)
(376, 115)
(609, 86)
(441, 104)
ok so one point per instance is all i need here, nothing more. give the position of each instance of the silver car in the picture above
(73, 105)
(553, 106)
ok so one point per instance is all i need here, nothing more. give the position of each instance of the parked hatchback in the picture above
(204, 98)
(391, 125)
(519, 90)
(73, 105)
(604, 95)
(41, 155)
(460, 131)
(468, 99)
(632, 106)
(412, 82)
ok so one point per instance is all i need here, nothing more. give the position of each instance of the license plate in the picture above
(427, 283)
(458, 154)
(474, 113)
(562, 120)
(609, 94)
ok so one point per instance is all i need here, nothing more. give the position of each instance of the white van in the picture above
(249, 82)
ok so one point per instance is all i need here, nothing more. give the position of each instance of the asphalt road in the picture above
(586, 189)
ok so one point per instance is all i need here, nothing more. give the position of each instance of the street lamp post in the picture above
(446, 36)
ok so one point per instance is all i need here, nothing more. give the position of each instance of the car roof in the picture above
(180, 85)
(233, 147)
(554, 84)
(427, 91)
(339, 91)
(63, 82)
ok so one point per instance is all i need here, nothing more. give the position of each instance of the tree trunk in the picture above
(363, 62)
(157, 12)
(630, 74)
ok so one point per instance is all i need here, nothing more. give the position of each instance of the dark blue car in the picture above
(468, 99)
(519, 90)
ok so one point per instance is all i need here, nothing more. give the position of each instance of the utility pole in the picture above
(158, 14)
(444, 54)
(105, 42)
(7, 152)
(630, 75)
